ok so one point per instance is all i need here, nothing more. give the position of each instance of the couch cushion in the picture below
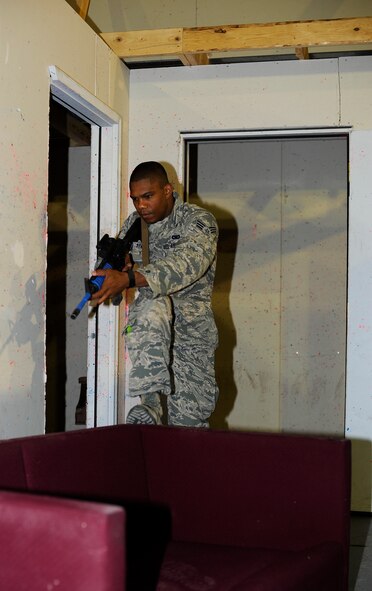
(203, 567)
(12, 473)
(103, 463)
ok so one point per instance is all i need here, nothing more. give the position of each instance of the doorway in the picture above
(280, 294)
(101, 325)
(67, 265)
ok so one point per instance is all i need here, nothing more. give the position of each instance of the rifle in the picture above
(111, 253)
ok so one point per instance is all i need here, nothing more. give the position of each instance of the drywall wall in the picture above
(167, 101)
(116, 15)
(33, 36)
(276, 95)
(285, 95)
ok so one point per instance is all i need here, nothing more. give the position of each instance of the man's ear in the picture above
(168, 189)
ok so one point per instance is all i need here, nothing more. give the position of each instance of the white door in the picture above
(280, 292)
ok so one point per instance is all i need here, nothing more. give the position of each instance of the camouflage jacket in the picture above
(182, 252)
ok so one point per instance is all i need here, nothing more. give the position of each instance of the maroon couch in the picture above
(174, 509)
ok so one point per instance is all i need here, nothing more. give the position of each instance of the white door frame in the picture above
(104, 214)
(204, 136)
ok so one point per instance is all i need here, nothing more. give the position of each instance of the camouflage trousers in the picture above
(169, 358)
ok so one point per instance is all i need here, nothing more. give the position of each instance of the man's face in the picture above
(152, 201)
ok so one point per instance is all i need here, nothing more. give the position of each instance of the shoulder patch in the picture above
(201, 225)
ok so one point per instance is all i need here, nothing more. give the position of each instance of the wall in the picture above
(34, 35)
(265, 95)
(274, 95)
(116, 15)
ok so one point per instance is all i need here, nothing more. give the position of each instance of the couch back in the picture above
(102, 463)
(251, 489)
(239, 488)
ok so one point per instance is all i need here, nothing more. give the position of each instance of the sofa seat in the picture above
(208, 567)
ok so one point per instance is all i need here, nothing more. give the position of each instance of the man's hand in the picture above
(115, 282)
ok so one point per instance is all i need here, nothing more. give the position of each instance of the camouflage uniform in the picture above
(171, 334)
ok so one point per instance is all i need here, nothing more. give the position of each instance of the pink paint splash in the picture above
(26, 182)
(254, 231)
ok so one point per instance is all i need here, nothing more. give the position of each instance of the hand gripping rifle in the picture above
(111, 253)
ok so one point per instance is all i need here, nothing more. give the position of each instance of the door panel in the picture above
(313, 290)
(280, 291)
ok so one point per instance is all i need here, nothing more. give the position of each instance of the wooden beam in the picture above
(302, 53)
(152, 42)
(83, 7)
(279, 35)
(194, 59)
(206, 40)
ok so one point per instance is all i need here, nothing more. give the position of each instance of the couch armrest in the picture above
(55, 543)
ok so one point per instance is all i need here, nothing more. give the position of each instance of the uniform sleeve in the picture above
(127, 224)
(192, 256)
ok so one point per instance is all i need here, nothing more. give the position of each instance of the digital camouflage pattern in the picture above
(171, 334)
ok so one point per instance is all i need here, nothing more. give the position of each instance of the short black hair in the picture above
(147, 170)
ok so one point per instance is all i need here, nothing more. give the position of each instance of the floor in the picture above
(361, 552)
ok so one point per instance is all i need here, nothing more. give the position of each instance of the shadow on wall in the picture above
(226, 251)
(26, 331)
